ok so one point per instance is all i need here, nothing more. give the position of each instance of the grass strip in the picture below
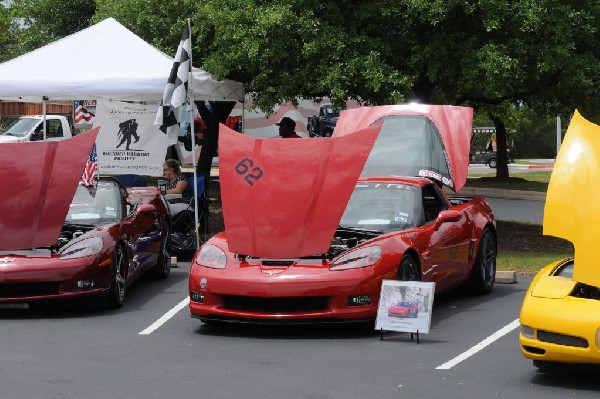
(526, 262)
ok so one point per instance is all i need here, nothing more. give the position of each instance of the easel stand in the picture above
(411, 335)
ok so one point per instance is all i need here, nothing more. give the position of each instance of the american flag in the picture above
(168, 116)
(91, 168)
(82, 115)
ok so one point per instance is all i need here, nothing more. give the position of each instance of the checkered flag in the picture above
(168, 116)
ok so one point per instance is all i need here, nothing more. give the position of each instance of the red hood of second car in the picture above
(454, 123)
(284, 198)
(38, 181)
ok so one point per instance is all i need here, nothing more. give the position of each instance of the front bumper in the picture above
(291, 297)
(566, 330)
(26, 279)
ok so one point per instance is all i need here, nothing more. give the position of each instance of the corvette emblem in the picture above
(272, 272)
(7, 260)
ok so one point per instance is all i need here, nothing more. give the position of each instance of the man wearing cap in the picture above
(287, 128)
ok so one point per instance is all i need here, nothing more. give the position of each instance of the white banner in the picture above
(128, 141)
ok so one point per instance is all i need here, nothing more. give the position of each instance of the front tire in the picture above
(493, 163)
(162, 269)
(409, 269)
(484, 269)
(117, 290)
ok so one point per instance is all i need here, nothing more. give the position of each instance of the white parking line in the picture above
(494, 337)
(164, 318)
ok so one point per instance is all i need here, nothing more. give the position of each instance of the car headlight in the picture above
(211, 256)
(81, 249)
(527, 331)
(361, 257)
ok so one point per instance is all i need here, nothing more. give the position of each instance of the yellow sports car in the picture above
(560, 315)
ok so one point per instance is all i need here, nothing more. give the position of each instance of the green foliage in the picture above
(158, 22)
(527, 262)
(494, 55)
(45, 21)
(7, 33)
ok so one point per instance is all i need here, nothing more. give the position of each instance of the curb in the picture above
(506, 277)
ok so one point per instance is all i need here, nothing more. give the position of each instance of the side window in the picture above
(54, 127)
(433, 202)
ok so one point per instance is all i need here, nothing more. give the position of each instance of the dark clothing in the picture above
(173, 184)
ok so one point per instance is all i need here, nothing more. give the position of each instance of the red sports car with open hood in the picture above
(311, 229)
(62, 240)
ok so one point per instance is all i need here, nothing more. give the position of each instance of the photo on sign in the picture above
(405, 306)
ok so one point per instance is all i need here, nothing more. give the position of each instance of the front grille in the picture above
(277, 262)
(561, 339)
(272, 305)
(22, 290)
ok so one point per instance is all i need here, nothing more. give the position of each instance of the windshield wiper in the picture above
(359, 230)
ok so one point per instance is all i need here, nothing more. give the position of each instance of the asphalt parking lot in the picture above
(152, 348)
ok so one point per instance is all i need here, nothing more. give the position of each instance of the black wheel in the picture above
(484, 268)
(492, 163)
(117, 280)
(162, 269)
(409, 269)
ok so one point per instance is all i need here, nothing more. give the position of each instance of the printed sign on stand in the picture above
(405, 306)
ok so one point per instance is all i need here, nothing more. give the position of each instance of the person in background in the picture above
(287, 128)
(176, 184)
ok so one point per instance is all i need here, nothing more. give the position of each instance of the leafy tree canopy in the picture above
(44, 21)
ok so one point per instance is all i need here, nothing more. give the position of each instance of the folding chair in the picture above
(130, 180)
(201, 203)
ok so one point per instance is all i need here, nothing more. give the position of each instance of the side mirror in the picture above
(36, 136)
(447, 216)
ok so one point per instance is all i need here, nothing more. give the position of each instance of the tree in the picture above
(494, 55)
(7, 33)
(45, 21)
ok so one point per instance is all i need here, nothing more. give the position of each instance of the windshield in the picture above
(408, 146)
(382, 206)
(21, 127)
(97, 206)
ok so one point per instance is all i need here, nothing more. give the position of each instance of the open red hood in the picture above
(411, 148)
(38, 181)
(284, 198)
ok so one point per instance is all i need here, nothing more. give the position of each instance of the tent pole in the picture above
(44, 99)
(193, 133)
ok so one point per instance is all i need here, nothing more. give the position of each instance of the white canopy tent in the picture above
(104, 61)
(107, 61)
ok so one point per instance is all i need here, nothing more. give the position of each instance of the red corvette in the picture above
(108, 238)
(312, 244)
(404, 309)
